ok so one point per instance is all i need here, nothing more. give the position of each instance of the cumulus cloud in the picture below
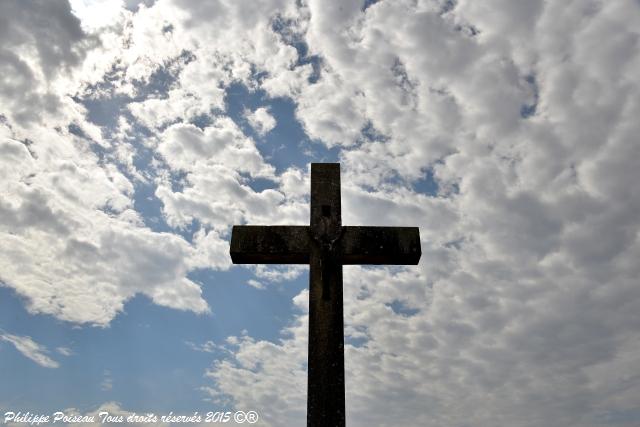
(66, 200)
(185, 146)
(261, 120)
(71, 218)
(260, 365)
(219, 156)
(40, 42)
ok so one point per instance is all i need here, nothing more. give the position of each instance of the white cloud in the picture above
(71, 218)
(31, 349)
(261, 120)
(40, 45)
(255, 284)
(255, 376)
(64, 209)
(207, 347)
(215, 157)
(107, 381)
(185, 146)
(97, 14)
(65, 351)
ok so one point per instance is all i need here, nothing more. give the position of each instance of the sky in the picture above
(133, 135)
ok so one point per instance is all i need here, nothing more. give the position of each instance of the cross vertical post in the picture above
(325, 386)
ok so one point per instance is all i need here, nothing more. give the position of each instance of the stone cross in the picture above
(326, 246)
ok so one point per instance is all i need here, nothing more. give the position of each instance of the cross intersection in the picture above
(326, 245)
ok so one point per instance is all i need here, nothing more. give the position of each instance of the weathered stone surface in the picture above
(290, 244)
(381, 245)
(325, 384)
(275, 244)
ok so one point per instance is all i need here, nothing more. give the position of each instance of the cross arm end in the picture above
(381, 245)
(276, 244)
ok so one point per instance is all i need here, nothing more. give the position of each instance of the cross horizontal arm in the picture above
(290, 244)
(275, 244)
(381, 245)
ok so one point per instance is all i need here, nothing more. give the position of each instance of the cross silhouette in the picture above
(326, 246)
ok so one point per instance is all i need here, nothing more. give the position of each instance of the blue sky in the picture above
(133, 135)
